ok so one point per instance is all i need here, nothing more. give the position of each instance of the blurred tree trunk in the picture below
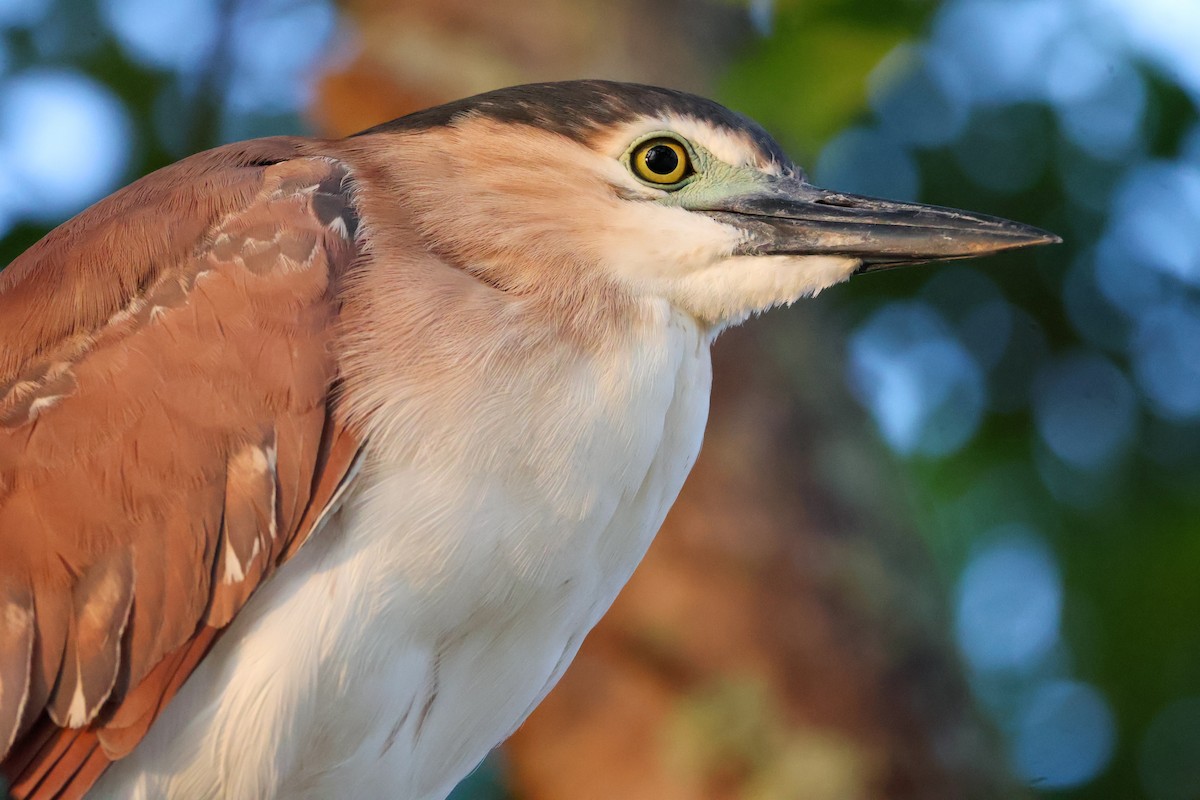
(784, 637)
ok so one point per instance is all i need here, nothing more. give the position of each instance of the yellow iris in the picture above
(662, 161)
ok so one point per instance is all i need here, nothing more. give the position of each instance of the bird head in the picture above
(653, 193)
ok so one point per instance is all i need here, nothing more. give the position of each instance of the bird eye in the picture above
(661, 161)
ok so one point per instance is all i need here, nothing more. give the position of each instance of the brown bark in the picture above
(416, 53)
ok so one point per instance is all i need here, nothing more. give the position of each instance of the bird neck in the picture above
(416, 220)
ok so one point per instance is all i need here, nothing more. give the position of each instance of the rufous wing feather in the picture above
(169, 435)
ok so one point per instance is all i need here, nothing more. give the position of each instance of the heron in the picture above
(320, 458)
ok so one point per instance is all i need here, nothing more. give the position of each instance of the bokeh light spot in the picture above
(1000, 45)
(64, 142)
(176, 35)
(1155, 215)
(1065, 735)
(762, 16)
(922, 386)
(21, 13)
(276, 44)
(1164, 32)
(1106, 122)
(1125, 281)
(1076, 68)
(1085, 410)
(1167, 359)
(1009, 602)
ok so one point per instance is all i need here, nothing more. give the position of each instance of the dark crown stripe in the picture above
(578, 109)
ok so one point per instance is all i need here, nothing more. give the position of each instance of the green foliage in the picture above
(807, 80)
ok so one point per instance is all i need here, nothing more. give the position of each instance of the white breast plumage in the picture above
(446, 596)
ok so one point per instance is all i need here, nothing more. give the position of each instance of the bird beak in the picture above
(792, 217)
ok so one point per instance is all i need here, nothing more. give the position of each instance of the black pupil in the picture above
(661, 160)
